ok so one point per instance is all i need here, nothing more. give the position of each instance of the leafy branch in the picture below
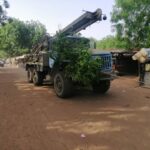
(81, 66)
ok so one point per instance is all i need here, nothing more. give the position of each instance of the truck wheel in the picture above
(30, 75)
(62, 86)
(101, 87)
(37, 78)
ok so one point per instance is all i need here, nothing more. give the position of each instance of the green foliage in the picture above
(36, 31)
(17, 37)
(111, 42)
(3, 54)
(3, 5)
(132, 21)
(80, 66)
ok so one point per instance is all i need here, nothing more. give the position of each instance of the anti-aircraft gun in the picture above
(39, 64)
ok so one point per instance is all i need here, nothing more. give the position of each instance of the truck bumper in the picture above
(107, 76)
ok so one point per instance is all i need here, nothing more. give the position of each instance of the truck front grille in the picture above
(106, 62)
(106, 65)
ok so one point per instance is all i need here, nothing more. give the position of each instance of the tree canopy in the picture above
(3, 16)
(18, 37)
(111, 42)
(132, 22)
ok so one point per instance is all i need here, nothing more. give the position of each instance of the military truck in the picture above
(39, 64)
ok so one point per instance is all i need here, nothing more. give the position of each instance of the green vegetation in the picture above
(111, 42)
(82, 67)
(132, 21)
(3, 5)
(3, 54)
(18, 37)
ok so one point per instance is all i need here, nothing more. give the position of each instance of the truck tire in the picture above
(101, 87)
(30, 75)
(37, 78)
(63, 87)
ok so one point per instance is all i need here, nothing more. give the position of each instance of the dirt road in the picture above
(34, 118)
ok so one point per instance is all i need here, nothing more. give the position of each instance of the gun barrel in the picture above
(83, 22)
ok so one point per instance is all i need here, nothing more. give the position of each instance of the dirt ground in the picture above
(34, 118)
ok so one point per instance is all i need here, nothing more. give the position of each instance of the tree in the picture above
(18, 37)
(3, 16)
(132, 21)
(111, 42)
(36, 31)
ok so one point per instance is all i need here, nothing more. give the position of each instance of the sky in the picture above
(56, 14)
